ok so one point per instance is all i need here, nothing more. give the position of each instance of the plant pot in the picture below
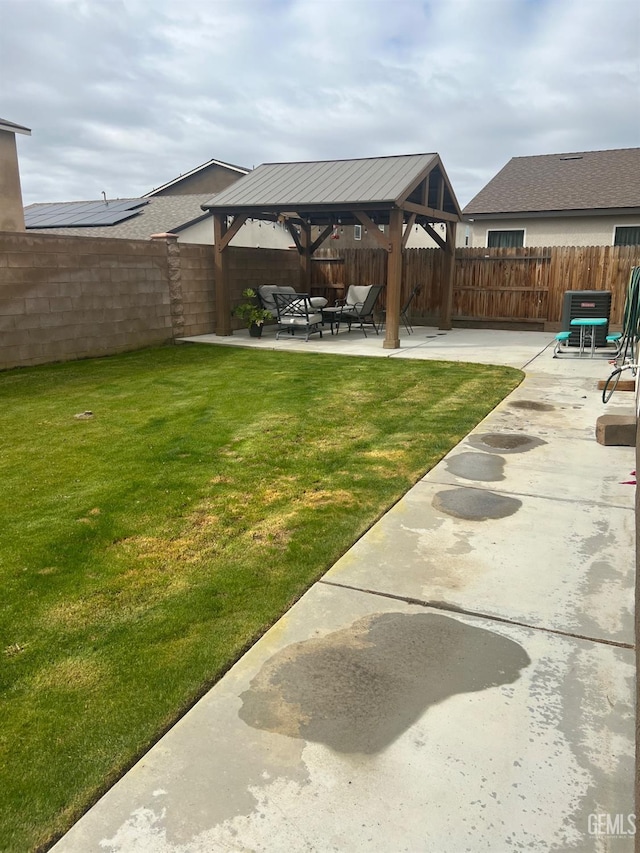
(255, 330)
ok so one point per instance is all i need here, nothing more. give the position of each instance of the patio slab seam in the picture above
(462, 611)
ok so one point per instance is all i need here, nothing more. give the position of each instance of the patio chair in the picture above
(266, 296)
(404, 311)
(296, 311)
(356, 308)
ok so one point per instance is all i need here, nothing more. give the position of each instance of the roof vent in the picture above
(572, 157)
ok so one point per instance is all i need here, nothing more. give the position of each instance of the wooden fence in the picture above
(490, 285)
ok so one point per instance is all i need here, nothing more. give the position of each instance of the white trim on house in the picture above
(357, 232)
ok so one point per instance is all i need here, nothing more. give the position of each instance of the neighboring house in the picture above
(11, 213)
(356, 237)
(211, 177)
(588, 198)
(139, 218)
(173, 207)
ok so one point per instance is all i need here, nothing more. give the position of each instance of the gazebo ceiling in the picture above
(331, 192)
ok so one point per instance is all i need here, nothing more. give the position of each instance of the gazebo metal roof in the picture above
(327, 189)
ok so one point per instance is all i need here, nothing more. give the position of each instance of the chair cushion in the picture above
(286, 320)
(563, 336)
(266, 291)
(357, 293)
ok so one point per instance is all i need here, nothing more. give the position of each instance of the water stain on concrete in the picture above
(504, 442)
(475, 504)
(532, 405)
(488, 467)
(358, 689)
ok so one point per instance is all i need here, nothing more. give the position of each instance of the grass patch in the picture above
(144, 548)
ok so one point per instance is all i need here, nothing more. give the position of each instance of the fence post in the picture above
(174, 276)
(448, 277)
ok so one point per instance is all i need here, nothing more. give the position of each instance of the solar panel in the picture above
(80, 214)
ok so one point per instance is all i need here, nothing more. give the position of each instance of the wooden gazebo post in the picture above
(223, 303)
(304, 252)
(222, 236)
(394, 280)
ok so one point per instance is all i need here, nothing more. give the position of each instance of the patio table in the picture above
(588, 326)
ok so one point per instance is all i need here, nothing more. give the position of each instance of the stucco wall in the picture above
(11, 210)
(258, 235)
(212, 180)
(561, 231)
(418, 239)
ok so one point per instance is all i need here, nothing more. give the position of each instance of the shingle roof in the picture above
(329, 182)
(584, 180)
(156, 215)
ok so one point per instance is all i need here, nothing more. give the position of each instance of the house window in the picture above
(626, 235)
(509, 239)
(357, 232)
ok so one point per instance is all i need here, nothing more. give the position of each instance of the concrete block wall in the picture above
(253, 267)
(63, 298)
(198, 289)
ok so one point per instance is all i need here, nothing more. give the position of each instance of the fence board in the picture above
(526, 284)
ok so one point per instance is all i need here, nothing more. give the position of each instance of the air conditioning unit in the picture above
(586, 303)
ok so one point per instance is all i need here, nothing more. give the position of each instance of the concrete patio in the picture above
(461, 680)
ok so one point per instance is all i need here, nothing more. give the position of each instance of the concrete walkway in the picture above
(461, 680)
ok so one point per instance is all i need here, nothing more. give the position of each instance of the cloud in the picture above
(123, 95)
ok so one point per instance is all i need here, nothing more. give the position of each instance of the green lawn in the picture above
(144, 548)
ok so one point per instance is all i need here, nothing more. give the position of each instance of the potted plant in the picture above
(251, 312)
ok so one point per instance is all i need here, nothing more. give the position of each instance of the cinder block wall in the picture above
(247, 268)
(63, 298)
(198, 289)
(253, 267)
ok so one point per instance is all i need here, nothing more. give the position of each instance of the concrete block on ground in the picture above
(616, 430)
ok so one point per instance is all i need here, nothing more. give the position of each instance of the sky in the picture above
(124, 95)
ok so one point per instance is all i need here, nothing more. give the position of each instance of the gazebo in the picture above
(398, 192)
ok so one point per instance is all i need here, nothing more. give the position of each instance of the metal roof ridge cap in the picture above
(347, 159)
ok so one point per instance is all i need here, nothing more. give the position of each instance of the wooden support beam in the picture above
(425, 190)
(223, 302)
(429, 212)
(231, 231)
(431, 231)
(440, 192)
(370, 225)
(446, 283)
(407, 230)
(294, 233)
(394, 280)
(320, 239)
(305, 257)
